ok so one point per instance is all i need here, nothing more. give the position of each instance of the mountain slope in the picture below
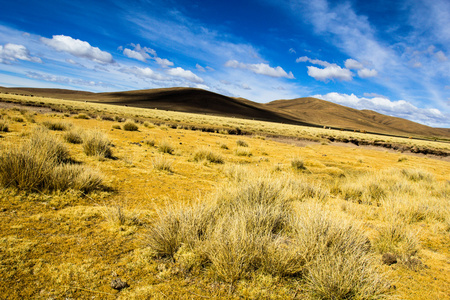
(334, 115)
(301, 111)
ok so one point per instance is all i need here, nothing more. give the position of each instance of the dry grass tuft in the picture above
(208, 155)
(130, 126)
(97, 144)
(252, 227)
(41, 164)
(241, 143)
(166, 147)
(74, 137)
(298, 164)
(162, 163)
(57, 126)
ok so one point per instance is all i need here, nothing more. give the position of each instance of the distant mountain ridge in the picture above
(301, 111)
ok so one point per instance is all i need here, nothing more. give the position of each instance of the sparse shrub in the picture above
(97, 144)
(224, 146)
(119, 119)
(241, 143)
(163, 164)
(106, 118)
(297, 164)
(75, 177)
(148, 125)
(130, 126)
(166, 147)
(73, 137)
(116, 127)
(57, 126)
(118, 216)
(209, 155)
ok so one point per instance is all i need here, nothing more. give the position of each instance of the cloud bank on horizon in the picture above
(392, 58)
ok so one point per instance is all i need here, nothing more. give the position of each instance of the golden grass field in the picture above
(173, 215)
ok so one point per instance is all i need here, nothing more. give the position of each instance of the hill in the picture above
(301, 111)
(334, 115)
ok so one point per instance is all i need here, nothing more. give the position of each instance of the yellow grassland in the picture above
(70, 245)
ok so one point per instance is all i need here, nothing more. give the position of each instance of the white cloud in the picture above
(441, 56)
(63, 79)
(145, 73)
(292, 50)
(145, 53)
(78, 48)
(313, 61)
(186, 74)
(261, 68)
(165, 63)
(142, 56)
(353, 64)
(331, 72)
(366, 73)
(14, 52)
(400, 108)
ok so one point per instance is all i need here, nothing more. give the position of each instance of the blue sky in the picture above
(389, 56)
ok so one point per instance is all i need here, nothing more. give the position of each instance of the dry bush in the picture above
(73, 137)
(57, 126)
(166, 147)
(224, 146)
(130, 126)
(251, 227)
(150, 142)
(395, 238)
(82, 116)
(40, 164)
(96, 143)
(208, 155)
(163, 164)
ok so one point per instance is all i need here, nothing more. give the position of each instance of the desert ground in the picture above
(102, 201)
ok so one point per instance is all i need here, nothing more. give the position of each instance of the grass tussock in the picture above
(96, 143)
(73, 137)
(241, 143)
(4, 126)
(43, 163)
(240, 151)
(130, 126)
(162, 163)
(298, 164)
(57, 126)
(166, 147)
(253, 228)
(208, 155)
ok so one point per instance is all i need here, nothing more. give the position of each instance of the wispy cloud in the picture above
(13, 52)
(65, 80)
(261, 68)
(78, 48)
(145, 53)
(185, 74)
(330, 73)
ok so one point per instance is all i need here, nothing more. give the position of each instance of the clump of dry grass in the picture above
(57, 126)
(297, 164)
(243, 152)
(252, 227)
(4, 127)
(166, 147)
(96, 143)
(82, 116)
(163, 164)
(241, 143)
(73, 137)
(41, 163)
(208, 155)
(130, 126)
